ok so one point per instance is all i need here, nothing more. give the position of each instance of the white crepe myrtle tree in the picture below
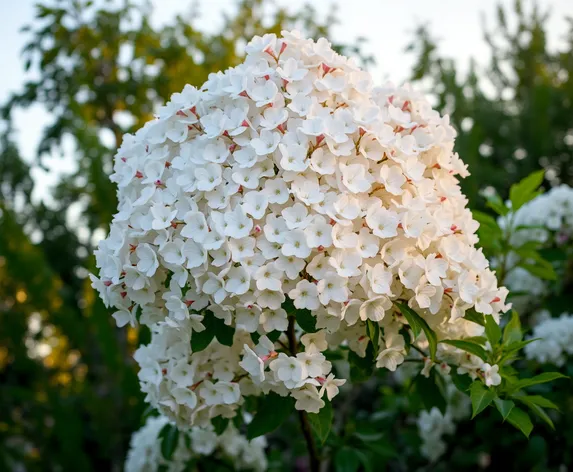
(287, 213)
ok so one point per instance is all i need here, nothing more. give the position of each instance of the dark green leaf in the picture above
(538, 400)
(220, 424)
(419, 324)
(525, 190)
(373, 331)
(472, 315)
(468, 346)
(431, 391)
(521, 420)
(538, 379)
(321, 422)
(542, 271)
(461, 381)
(480, 396)
(169, 436)
(504, 407)
(512, 331)
(492, 330)
(366, 462)
(306, 320)
(535, 404)
(346, 460)
(223, 332)
(361, 367)
(496, 204)
(272, 412)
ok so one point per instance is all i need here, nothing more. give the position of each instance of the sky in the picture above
(386, 24)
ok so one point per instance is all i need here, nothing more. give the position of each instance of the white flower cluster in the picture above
(433, 425)
(548, 219)
(145, 449)
(555, 341)
(290, 182)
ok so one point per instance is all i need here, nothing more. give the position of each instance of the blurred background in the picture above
(76, 75)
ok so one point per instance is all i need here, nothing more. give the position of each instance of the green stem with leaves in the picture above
(313, 454)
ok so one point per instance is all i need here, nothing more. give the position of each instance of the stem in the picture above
(302, 415)
(310, 444)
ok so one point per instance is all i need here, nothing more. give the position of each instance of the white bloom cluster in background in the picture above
(289, 184)
(433, 425)
(547, 219)
(145, 449)
(555, 341)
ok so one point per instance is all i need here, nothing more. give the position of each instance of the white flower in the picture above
(291, 180)
(332, 287)
(148, 262)
(269, 277)
(308, 399)
(305, 295)
(253, 364)
(274, 320)
(491, 374)
(238, 281)
(295, 244)
(266, 143)
(330, 386)
(383, 222)
(288, 370)
(380, 279)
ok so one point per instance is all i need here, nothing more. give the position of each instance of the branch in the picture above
(314, 458)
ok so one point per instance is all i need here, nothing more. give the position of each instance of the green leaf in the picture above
(321, 422)
(504, 407)
(496, 204)
(480, 396)
(542, 271)
(514, 347)
(525, 190)
(461, 381)
(304, 317)
(418, 324)
(472, 315)
(364, 459)
(481, 340)
(306, 320)
(492, 330)
(223, 332)
(537, 400)
(521, 420)
(346, 460)
(361, 367)
(220, 424)
(468, 346)
(169, 436)
(538, 379)
(373, 331)
(272, 412)
(536, 403)
(490, 233)
(512, 331)
(432, 392)
(201, 339)
(541, 413)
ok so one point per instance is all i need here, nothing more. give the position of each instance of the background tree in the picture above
(514, 116)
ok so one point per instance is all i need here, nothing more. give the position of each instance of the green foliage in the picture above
(468, 346)
(321, 422)
(169, 438)
(419, 324)
(272, 411)
(481, 397)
